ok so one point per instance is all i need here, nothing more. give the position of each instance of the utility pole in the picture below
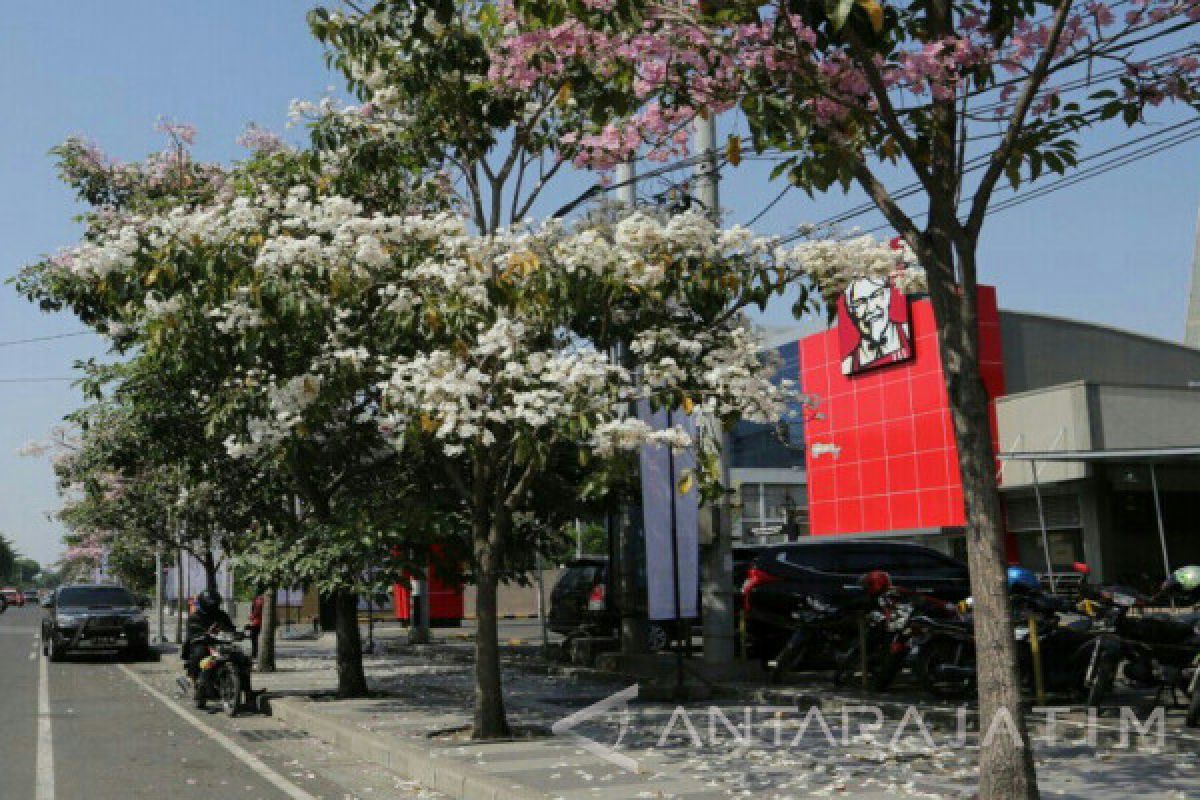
(716, 556)
(631, 548)
(158, 589)
(1191, 336)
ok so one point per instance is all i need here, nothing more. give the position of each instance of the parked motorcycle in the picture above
(224, 674)
(1158, 651)
(822, 635)
(1076, 657)
(892, 629)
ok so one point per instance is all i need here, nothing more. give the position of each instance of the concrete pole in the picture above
(630, 594)
(627, 184)
(1037, 493)
(716, 560)
(158, 591)
(179, 595)
(1191, 335)
(706, 170)
(1162, 530)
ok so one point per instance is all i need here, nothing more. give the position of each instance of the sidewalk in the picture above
(414, 726)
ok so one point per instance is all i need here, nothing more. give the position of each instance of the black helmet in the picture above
(208, 600)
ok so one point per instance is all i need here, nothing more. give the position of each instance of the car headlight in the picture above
(136, 618)
(69, 620)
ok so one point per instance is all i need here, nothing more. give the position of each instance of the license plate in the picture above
(102, 641)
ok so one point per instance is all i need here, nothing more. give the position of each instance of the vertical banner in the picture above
(659, 489)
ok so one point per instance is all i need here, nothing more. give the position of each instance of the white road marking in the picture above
(44, 774)
(236, 750)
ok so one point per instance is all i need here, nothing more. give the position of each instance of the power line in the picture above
(32, 339)
(36, 380)
(1091, 172)
(769, 205)
(977, 163)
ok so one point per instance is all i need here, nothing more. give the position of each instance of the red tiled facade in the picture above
(896, 466)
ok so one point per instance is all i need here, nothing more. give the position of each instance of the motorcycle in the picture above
(893, 632)
(223, 675)
(821, 636)
(1158, 651)
(1076, 658)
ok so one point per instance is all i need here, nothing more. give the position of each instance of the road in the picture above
(91, 728)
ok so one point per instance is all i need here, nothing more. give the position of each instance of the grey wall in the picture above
(1143, 416)
(1054, 418)
(1042, 351)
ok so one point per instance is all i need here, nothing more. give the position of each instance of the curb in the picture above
(433, 770)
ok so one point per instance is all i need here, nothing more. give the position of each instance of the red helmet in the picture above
(875, 582)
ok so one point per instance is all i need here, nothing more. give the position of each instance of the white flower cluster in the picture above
(474, 350)
(499, 383)
(630, 433)
(835, 263)
(725, 370)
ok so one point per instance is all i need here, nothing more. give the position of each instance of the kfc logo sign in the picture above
(873, 325)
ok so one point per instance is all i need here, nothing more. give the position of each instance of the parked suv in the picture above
(94, 617)
(829, 570)
(580, 602)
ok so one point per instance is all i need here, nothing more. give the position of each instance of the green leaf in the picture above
(838, 11)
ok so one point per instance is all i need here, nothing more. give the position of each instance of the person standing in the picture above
(255, 622)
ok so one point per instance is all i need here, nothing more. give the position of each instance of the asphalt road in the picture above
(105, 731)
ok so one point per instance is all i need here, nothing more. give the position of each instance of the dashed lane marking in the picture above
(43, 788)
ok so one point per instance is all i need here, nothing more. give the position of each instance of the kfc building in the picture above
(1112, 416)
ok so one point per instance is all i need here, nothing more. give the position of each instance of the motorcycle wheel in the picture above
(943, 652)
(229, 689)
(1193, 714)
(783, 663)
(1102, 683)
(884, 675)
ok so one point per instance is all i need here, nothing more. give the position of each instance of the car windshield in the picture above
(99, 596)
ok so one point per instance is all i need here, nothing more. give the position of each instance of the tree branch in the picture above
(983, 193)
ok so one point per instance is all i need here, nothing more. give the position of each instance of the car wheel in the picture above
(657, 639)
(137, 652)
(55, 650)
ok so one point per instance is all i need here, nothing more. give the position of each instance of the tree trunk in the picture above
(266, 636)
(352, 681)
(490, 719)
(210, 572)
(1006, 767)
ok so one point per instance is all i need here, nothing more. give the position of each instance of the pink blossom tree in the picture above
(961, 96)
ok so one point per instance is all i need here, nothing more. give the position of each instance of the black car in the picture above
(94, 617)
(829, 571)
(580, 602)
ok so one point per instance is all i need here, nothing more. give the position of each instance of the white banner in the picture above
(659, 490)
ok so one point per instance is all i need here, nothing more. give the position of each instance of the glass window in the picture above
(92, 597)
(780, 497)
(822, 559)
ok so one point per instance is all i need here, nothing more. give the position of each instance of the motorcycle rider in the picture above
(208, 614)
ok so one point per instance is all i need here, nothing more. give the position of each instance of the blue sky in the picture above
(1113, 250)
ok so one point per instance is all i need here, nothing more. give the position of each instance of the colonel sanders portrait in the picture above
(873, 325)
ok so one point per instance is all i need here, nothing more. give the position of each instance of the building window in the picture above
(773, 512)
